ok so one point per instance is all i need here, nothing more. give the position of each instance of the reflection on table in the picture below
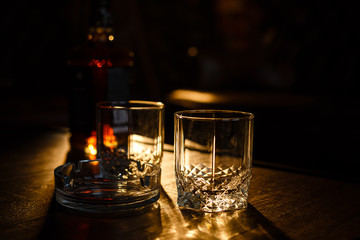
(282, 204)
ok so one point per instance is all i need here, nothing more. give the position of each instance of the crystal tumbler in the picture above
(129, 133)
(213, 159)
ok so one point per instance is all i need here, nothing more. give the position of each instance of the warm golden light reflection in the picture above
(109, 139)
(136, 146)
(90, 148)
(192, 51)
(90, 36)
(144, 148)
(94, 164)
(188, 98)
(195, 96)
(99, 30)
(223, 225)
(191, 234)
(111, 38)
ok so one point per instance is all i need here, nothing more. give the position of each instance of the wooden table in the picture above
(283, 205)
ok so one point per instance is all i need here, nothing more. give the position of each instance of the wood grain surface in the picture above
(282, 205)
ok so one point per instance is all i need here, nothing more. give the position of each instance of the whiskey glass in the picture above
(213, 159)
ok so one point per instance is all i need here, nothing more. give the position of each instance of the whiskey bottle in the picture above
(99, 71)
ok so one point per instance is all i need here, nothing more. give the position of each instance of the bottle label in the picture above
(86, 92)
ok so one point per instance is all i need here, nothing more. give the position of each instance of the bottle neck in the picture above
(100, 25)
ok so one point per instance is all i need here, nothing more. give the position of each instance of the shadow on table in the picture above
(64, 223)
(161, 220)
(242, 224)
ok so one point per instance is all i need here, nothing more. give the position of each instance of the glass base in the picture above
(209, 194)
(88, 187)
(98, 204)
(213, 203)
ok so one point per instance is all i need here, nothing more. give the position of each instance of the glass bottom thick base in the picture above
(212, 203)
(97, 200)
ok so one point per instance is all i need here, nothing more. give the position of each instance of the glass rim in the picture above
(131, 104)
(186, 114)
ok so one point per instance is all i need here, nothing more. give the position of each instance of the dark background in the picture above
(292, 48)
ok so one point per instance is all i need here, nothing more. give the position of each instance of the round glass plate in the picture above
(88, 186)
